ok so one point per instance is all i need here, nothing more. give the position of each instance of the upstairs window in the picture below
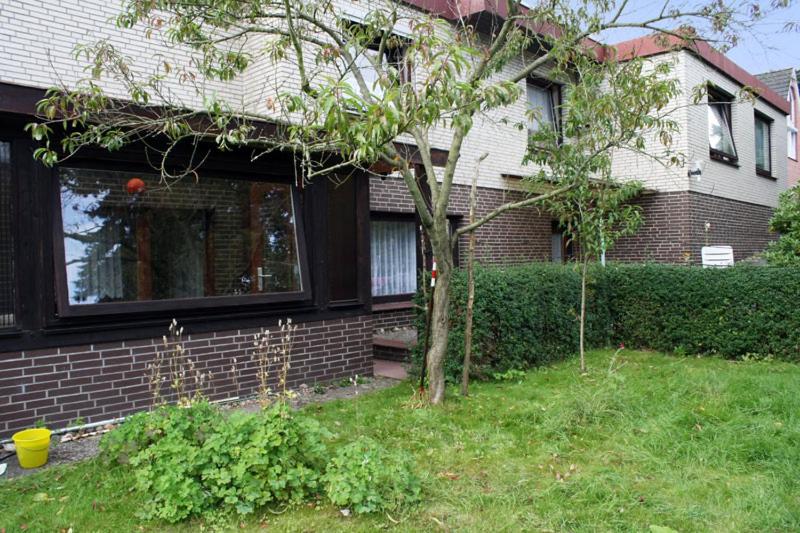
(543, 99)
(367, 59)
(763, 145)
(127, 238)
(791, 123)
(720, 131)
(7, 300)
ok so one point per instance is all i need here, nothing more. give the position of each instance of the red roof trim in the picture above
(651, 45)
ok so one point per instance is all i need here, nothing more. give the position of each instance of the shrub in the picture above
(527, 315)
(196, 461)
(734, 312)
(524, 316)
(366, 478)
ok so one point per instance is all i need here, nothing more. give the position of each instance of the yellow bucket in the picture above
(32, 447)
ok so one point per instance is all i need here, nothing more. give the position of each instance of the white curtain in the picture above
(394, 257)
(539, 100)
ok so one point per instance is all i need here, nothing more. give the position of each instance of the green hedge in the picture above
(527, 315)
(733, 312)
(524, 316)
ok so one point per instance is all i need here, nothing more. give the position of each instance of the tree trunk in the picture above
(583, 314)
(470, 289)
(439, 240)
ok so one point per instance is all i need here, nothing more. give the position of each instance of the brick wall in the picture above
(674, 229)
(99, 382)
(514, 237)
(391, 319)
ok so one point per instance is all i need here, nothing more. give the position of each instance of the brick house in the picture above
(784, 83)
(108, 258)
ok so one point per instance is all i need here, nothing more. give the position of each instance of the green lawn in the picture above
(692, 444)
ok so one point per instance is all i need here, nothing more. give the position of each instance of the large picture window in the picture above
(127, 237)
(394, 257)
(7, 302)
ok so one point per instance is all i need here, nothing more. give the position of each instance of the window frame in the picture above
(723, 100)
(392, 55)
(791, 121)
(758, 116)
(66, 309)
(555, 101)
(386, 216)
(14, 235)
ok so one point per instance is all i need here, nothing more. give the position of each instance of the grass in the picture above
(685, 443)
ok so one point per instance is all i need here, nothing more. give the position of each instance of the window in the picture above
(763, 145)
(127, 237)
(720, 133)
(560, 244)
(791, 121)
(365, 59)
(7, 305)
(394, 257)
(342, 241)
(542, 101)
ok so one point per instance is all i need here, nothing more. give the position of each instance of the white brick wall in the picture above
(718, 179)
(37, 38)
(724, 180)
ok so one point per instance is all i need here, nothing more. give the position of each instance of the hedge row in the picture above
(527, 315)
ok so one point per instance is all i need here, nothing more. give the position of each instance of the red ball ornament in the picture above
(135, 186)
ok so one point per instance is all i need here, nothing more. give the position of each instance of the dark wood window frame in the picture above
(723, 99)
(14, 152)
(757, 115)
(557, 100)
(68, 310)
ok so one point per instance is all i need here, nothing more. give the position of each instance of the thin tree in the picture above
(362, 93)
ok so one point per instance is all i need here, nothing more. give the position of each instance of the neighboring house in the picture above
(96, 259)
(784, 83)
(735, 165)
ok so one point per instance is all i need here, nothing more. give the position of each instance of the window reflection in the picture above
(127, 237)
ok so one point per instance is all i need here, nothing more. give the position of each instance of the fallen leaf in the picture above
(449, 475)
(41, 497)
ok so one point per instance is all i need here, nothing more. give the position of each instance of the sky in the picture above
(767, 47)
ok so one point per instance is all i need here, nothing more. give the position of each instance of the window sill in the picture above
(766, 174)
(392, 306)
(724, 158)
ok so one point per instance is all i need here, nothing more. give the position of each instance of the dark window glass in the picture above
(6, 240)
(342, 241)
(720, 129)
(394, 257)
(128, 237)
(763, 144)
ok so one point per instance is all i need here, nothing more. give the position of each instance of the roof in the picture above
(651, 45)
(778, 80)
(648, 45)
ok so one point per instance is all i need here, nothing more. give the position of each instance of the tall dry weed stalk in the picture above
(182, 375)
(278, 356)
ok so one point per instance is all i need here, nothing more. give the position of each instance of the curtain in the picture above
(540, 99)
(394, 257)
(762, 144)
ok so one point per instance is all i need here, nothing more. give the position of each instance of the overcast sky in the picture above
(768, 47)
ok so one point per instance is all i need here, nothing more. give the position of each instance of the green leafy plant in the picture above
(511, 374)
(366, 478)
(786, 221)
(196, 462)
